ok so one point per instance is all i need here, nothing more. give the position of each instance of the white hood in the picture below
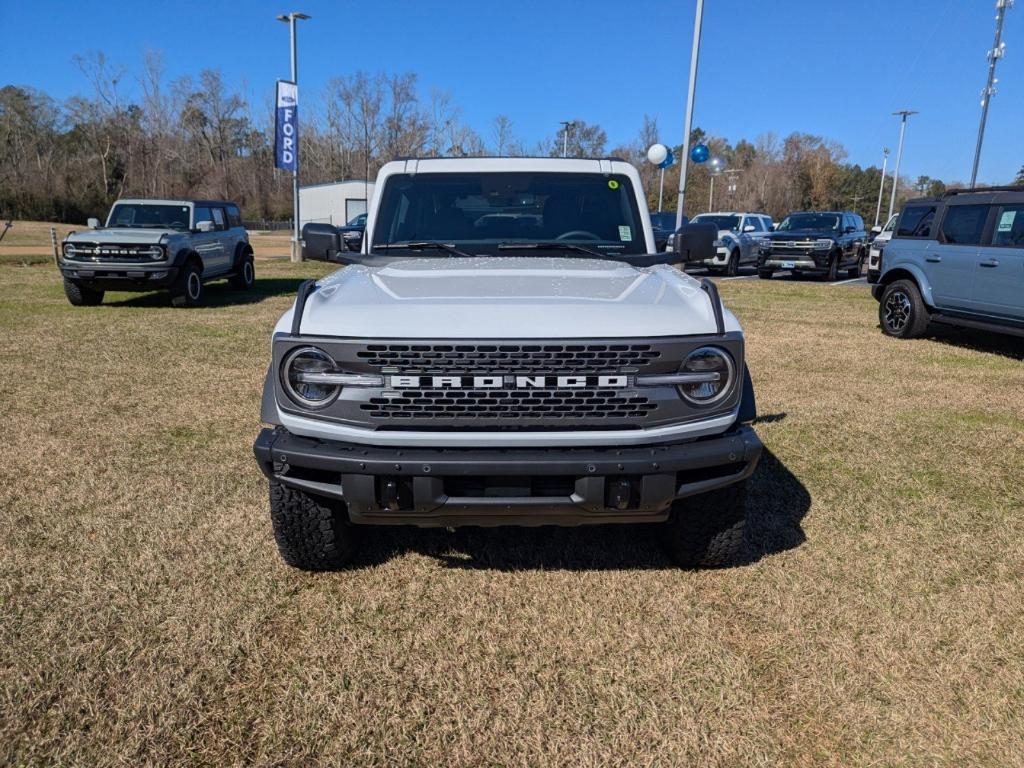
(507, 298)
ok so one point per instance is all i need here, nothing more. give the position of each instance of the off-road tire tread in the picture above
(179, 291)
(237, 281)
(80, 296)
(732, 267)
(311, 534)
(919, 311)
(709, 530)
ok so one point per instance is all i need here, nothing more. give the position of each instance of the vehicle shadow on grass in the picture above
(219, 294)
(978, 340)
(776, 504)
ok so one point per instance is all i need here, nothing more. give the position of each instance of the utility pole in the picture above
(881, 187)
(994, 55)
(903, 114)
(566, 125)
(688, 121)
(290, 19)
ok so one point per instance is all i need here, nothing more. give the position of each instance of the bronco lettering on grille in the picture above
(500, 382)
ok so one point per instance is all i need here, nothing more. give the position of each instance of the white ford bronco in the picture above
(508, 349)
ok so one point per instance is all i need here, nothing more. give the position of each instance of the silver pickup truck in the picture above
(508, 349)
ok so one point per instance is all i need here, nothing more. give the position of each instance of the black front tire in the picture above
(765, 274)
(81, 296)
(833, 268)
(187, 290)
(709, 530)
(312, 533)
(245, 274)
(902, 312)
(733, 267)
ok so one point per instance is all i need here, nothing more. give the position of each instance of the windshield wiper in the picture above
(424, 246)
(556, 246)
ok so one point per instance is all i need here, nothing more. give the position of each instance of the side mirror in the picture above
(771, 227)
(204, 226)
(320, 242)
(850, 229)
(749, 228)
(93, 222)
(876, 230)
(695, 242)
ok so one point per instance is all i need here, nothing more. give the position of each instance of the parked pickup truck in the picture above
(509, 349)
(147, 245)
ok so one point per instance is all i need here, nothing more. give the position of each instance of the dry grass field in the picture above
(145, 618)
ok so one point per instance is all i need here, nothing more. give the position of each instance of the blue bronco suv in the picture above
(956, 259)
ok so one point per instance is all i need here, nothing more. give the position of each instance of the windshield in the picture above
(663, 220)
(721, 221)
(476, 212)
(149, 216)
(809, 221)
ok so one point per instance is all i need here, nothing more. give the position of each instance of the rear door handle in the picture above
(990, 263)
(933, 259)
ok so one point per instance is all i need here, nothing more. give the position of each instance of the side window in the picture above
(964, 224)
(234, 216)
(755, 222)
(916, 221)
(201, 214)
(1009, 231)
(219, 221)
(858, 222)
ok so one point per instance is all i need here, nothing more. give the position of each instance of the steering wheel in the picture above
(577, 233)
(177, 225)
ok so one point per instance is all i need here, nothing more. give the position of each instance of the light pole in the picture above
(904, 114)
(290, 19)
(881, 187)
(688, 121)
(566, 125)
(998, 47)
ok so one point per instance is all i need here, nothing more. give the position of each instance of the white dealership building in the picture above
(335, 202)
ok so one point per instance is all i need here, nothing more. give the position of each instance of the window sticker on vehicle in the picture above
(625, 233)
(613, 184)
(1005, 221)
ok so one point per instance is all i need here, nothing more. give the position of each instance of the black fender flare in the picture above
(184, 255)
(748, 402)
(241, 250)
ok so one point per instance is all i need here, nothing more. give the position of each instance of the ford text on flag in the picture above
(286, 132)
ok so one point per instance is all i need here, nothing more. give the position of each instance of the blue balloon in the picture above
(700, 153)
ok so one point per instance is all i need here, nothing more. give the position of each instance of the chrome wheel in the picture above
(247, 273)
(897, 311)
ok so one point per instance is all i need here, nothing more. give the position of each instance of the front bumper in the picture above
(720, 259)
(120, 276)
(791, 262)
(510, 486)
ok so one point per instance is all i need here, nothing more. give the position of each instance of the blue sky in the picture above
(831, 67)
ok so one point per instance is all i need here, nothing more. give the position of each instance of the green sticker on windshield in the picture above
(613, 184)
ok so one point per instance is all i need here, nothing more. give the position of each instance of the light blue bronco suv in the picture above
(955, 259)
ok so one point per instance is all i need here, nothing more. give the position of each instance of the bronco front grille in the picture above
(505, 358)
(535, 405)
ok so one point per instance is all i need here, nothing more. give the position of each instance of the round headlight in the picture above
(710, 361)
(297, 365)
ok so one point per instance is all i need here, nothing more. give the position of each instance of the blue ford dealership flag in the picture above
(286, 131)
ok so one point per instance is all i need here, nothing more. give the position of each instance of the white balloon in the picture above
(657, 154)
(716, 164)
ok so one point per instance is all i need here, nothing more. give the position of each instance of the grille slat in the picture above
(511, 404)
(509, 358)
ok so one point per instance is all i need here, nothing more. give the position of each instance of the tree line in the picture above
(200, 137)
